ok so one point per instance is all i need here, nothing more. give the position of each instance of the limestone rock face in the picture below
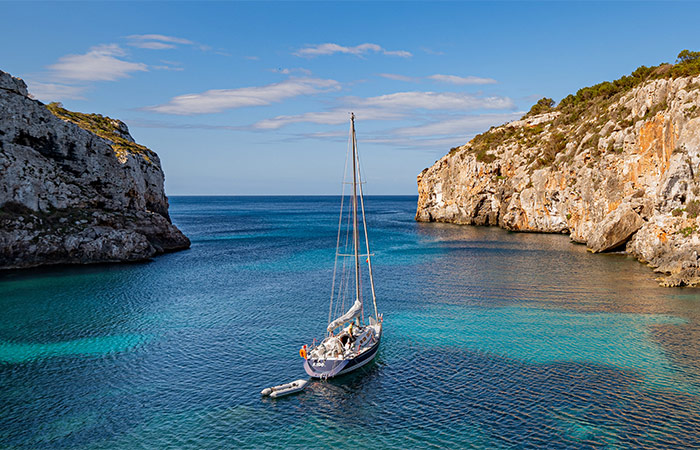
(68, 195)
(615, 229)
(627, 169)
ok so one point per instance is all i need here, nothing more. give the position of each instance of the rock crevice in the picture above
(621, 172)
(71, 195)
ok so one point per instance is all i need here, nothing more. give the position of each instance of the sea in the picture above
(491, 340)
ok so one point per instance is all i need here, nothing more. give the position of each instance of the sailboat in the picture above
(352, 340)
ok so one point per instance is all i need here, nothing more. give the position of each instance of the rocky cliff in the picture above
(76, 188)
(617, 166)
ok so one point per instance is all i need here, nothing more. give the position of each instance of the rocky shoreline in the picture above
(75, 188)
(615, 171)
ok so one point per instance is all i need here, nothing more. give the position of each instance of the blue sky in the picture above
(248, 98)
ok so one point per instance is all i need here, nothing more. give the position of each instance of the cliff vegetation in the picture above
(112, 130)
(76, 188)
(616, 165)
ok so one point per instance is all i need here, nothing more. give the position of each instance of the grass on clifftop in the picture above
(581, 116)
(105, 128)
(687, 64)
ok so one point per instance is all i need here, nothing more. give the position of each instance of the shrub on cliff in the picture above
(543, 105)
(687, 56)
(687, 64)
(582, 116)
(102, 126)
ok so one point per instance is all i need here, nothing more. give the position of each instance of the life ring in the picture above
(302, 352)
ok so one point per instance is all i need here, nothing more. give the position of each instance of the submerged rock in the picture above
(76, 188)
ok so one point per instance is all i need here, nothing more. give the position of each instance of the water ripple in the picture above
(492, 340)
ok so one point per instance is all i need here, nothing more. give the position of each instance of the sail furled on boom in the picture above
(353, 312)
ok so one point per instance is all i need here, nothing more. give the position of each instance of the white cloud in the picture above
(433, 125)
(100, 63)
(399, 53)
(288, 71)
(389, 107)
(217, 100)
(396, 106)
(169, 65)
(333, 117)
(156, 41)
(433, 101)
(148, 123)
(397, 77)
(49, 92)
(438, 134)
(312, 51)
(454, 79)
(451, 79)
(159, 37)
(444, 132)
(170, 68)
(458, 125)
(390, 139)
(431, 51)
(426, 142)
(327, 134)
(153, 45)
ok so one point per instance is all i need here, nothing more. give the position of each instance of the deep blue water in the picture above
(491, 340)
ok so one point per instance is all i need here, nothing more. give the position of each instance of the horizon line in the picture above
(287, 195)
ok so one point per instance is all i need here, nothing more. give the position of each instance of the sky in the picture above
(253, 98)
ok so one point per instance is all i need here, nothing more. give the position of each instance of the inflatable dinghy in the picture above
(285, 389)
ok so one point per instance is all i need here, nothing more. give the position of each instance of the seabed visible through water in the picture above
(491, 340)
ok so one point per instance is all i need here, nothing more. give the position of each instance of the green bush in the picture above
(687, 231)
(102, 126)
(484, 142)
(655, 110)
(687, 64)
(626, 123)
(543, 105)
(693, 208)
(582, 113)
(687, 56)
(556, 144)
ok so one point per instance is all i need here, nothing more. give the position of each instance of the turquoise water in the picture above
(491, 340)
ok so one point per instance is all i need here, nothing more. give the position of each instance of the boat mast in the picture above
(355, 231)
(369, 254)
